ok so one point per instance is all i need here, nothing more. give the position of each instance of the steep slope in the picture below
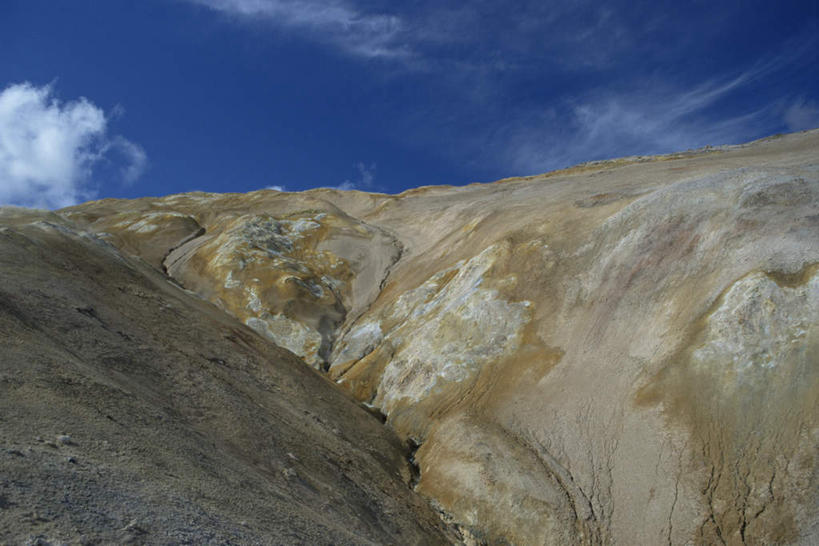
(134, 412)
(624, 352)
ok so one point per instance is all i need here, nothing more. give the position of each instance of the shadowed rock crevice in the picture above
(167, 261)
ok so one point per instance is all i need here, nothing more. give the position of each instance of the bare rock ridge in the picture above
(623, 352)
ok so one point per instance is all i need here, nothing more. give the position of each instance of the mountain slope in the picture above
(131, 411)
(623, 352)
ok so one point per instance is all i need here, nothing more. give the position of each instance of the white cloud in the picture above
(49, 149)
(651, 119)
(364, 181)
(572, 32)
(275, 188)
(366, 174)
(488, 59)
(331, 21)
(135, 156)
(802, 115)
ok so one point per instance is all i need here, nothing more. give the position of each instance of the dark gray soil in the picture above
(133, 412)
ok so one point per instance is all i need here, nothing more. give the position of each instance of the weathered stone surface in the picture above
(623, 352)
(293, 276)
(438, 338)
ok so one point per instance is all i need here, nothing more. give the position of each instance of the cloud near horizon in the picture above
(802, 114)
(648, 116)
(651, 119)
(365, 181)
(49, 149)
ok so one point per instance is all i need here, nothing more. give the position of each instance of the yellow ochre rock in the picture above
(625, 352)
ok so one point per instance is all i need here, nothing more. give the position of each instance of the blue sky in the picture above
(127, 99)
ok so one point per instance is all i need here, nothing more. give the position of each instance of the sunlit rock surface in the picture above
(434, 340)
(624, 352)
(293, 276)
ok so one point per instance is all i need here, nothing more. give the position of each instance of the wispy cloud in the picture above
(647, 116)
(802, 114)
(336, 22)
(365, 179)
(649, 119)
(546, 85)
(49, 149)
(577, 33)
(135, 158)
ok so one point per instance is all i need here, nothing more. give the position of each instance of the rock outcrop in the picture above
(624, 352)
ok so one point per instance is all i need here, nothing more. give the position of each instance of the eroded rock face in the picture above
(148, 235)
(625, 352)
(747, 389)
(267, 272)
(293, 276)
(435, 339)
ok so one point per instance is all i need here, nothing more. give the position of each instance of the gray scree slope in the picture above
(134, 412)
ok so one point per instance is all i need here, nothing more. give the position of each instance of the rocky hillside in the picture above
(133, 412)
(623, 352)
